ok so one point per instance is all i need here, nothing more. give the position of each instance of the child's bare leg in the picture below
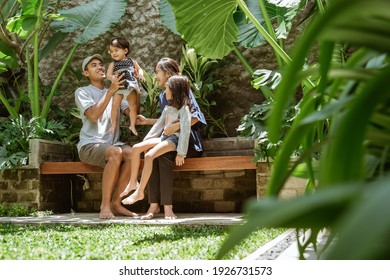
(132, 99)
(154, 208)
(116, 102)
(135, 162)
(161, 148)
(168, 213)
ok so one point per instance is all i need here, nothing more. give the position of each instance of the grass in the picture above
(122, 242)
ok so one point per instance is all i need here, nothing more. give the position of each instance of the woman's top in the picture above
(171, 115)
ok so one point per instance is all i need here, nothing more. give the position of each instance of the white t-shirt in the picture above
(96, 132)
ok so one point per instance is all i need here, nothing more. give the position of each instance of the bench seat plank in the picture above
(191, 164)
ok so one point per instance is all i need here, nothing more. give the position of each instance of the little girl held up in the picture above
(156, 142)
(123, 65)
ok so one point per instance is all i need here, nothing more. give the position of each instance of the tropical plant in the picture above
(30, 30)
(16, 134)
(352, 99)
(199, 70)
(253, 125)
(343, 120)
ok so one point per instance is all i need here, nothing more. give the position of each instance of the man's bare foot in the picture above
(134, 197)
(132, 129)
(153, 209)
(168, 213)
(122, 211)
(128, 189)
(106, 214)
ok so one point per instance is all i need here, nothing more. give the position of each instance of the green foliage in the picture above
(15, 135)
(81, 242)
(345, 117)
(26, 24)
(199, 70)
(253, 125)
(15, 210)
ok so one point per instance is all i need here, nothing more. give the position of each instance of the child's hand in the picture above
(179, 160)
(141, 77)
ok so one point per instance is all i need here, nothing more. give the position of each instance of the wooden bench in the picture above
(191, 164)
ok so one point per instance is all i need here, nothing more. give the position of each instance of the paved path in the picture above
(92, 218)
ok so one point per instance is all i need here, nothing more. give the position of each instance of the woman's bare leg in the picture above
(161, 148)
(168, 213)
(154, 208)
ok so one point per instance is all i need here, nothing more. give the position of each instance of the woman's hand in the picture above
(141, 120)
(179, 160)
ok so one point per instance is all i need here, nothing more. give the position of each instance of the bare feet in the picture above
(168, 213)
(106, 214)
(128, 189)
(153, 209)
(134, 197)
(122, 211)
(132, 129)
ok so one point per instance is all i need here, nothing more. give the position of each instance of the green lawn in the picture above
(122, 242)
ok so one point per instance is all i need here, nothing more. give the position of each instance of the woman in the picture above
(160, 185)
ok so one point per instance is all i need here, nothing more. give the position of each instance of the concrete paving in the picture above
(93, 218)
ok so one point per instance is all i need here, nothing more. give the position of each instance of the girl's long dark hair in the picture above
(180, 88)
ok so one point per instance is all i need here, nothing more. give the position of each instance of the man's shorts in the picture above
(94, 153)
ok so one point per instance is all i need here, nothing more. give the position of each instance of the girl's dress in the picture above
(127, 66)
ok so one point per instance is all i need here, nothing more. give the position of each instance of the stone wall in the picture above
(292, 188)
(20, 186)
(26, 186)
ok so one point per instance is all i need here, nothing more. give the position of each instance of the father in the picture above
(97, 146)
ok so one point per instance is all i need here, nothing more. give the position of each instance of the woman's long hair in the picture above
(169, 66)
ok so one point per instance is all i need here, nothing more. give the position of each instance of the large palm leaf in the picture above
(93, 19)
(211, 27)
(208, 26)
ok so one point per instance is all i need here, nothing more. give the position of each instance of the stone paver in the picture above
(92, 218)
